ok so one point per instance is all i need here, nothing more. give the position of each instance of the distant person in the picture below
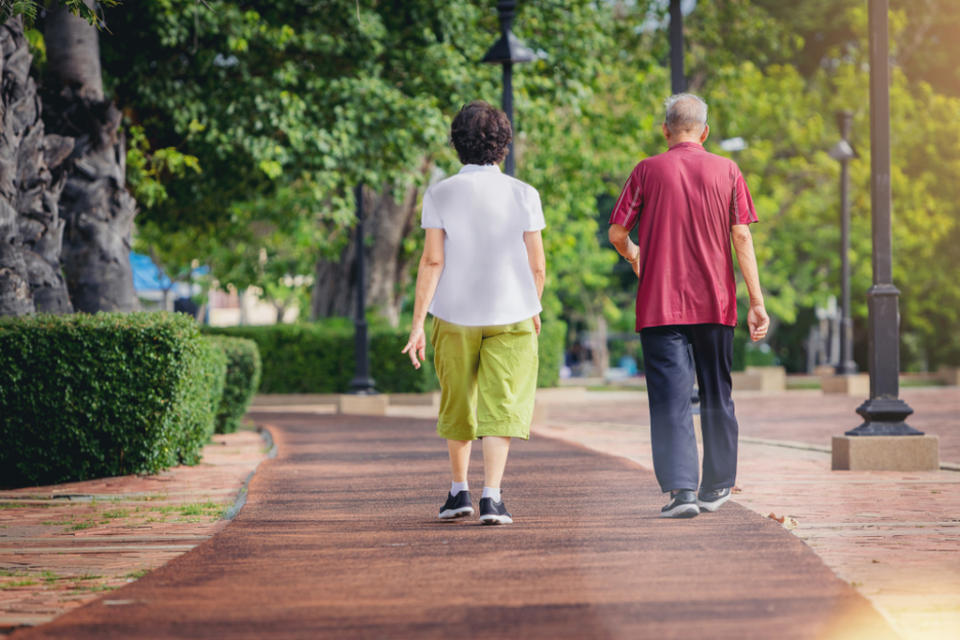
(481, 277)
(688, 204)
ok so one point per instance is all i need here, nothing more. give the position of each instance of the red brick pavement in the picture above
(62, 546)
(893, 536)
(339, 539)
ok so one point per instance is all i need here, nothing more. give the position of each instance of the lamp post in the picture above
(678, 83)
(843, 153)
(362, 383)
(884, 412)
(507, 51)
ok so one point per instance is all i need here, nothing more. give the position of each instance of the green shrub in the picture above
(241, 382)
(319, 357)
(85, 396)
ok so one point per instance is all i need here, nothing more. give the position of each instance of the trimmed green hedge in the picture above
(85, 396)
(242, 380)
(319, 357)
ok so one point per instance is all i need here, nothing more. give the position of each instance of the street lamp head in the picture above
(509, 48)
(842, 151)
(733, 144)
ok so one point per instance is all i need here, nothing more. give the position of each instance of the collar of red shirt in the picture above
(687, 145)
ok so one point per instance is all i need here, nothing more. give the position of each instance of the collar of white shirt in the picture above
(469, 168)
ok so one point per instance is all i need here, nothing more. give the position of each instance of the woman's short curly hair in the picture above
(481, 134)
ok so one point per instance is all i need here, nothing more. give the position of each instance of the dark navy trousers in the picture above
(670, 375)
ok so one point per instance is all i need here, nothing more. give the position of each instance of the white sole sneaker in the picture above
(686, 510)
(491, 518)
(450, 514)
(714, 505)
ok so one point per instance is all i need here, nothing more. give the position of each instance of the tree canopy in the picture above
(251, 122)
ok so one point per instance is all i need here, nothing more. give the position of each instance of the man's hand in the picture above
(635, 263)
(758, 321)
(416, 347)
(536, 323)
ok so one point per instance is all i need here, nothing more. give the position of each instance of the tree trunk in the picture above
(31, 229)
(387, 223)
(95, 205)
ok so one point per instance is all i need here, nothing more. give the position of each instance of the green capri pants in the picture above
(488, 379)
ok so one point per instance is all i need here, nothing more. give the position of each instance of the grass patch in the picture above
(88, 576)
(29, 582)
(7, 573)
(20, 505)
(797, 385)
(115, 513)
(49, 576)
(911, 383)
(52, 523)
(85, 524)
(136, 575)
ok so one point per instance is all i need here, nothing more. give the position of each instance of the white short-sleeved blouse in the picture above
(486, 278)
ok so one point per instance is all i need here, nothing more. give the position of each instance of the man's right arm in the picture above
(757, 319)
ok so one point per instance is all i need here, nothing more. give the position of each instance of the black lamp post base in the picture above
(846, 368)
(884, 417)
(362, 387)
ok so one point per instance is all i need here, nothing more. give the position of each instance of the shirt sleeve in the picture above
(742, 210)
(430, 217)
(535, 219)
(626, 211)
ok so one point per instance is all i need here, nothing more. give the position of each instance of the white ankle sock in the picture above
(491, 492)
(457, 487)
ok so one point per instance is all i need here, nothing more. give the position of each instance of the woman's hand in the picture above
(417, 347)
(536, 323)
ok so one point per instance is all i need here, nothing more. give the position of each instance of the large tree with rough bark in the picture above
(65, 215)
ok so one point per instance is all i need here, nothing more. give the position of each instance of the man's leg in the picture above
(669, 375)
(713, 352)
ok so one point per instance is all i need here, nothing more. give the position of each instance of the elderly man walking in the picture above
(688, 205)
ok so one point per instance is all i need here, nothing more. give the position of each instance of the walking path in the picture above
(894, 536)
(339, 540)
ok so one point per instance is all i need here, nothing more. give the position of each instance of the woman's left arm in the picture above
(538, 265)
(428, 275)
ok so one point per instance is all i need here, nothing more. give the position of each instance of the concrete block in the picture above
(949, 375)
(264, 400)
(885, 453)
(771, 378)
(428, 399)
(363, 405)
(856, 384)
(824, 370)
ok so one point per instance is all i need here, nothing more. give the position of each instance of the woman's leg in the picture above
(459, 458)
(495, 450)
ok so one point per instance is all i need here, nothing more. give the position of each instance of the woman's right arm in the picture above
(428, 275)
(538, 265)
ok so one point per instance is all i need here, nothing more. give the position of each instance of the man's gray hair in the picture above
(686, 112)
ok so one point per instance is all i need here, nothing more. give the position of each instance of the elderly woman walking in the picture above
(481, 277)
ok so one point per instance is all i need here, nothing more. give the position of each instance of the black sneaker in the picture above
(682, 505)
(711, 500)
(456, 506)
(493, 512)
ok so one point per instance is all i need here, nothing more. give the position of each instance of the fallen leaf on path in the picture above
(736, 490)
(788, 522)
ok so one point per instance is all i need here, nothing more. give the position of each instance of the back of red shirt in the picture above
(684, 202)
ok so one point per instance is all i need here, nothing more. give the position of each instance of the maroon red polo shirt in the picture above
(684, 202)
